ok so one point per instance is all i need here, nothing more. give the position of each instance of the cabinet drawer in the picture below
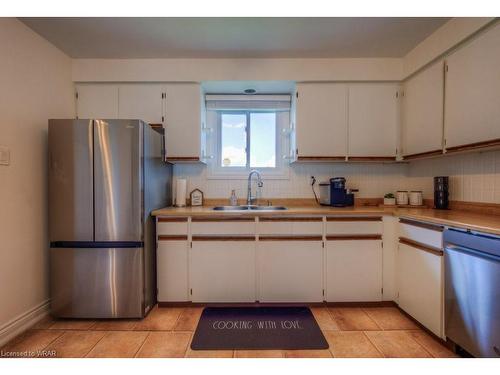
(209, 226)
(313, 225)
(354, 225)
(427, 234)
(172, 225)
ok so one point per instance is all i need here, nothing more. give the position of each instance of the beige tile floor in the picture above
(167, 333)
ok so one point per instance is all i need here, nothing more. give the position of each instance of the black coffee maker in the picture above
(441, 192)
(339, 197)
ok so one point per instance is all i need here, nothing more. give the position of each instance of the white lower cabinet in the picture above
(420, 282)
(172, 270)
(290, 270)
(222, 271)
(354, 270)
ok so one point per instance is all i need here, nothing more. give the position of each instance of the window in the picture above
(248, 139)
(248, 133)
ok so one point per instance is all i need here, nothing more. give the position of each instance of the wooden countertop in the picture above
(454, 218)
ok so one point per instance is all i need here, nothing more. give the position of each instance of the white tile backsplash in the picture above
(372, 180)
(473, 177)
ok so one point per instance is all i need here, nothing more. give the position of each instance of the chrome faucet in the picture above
(250, 199)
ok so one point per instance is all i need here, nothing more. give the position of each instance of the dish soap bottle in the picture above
(233, 200)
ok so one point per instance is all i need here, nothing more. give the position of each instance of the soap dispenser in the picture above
(233, 200)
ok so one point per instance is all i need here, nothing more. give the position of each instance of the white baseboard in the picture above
(23, 322)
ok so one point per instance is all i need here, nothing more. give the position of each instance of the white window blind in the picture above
(248, 102)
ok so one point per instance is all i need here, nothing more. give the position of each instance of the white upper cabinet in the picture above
(182, 106)
(141, 102)
(472, 104)
(97, 101)
(373, 120)
(321, 120)
(423, 111)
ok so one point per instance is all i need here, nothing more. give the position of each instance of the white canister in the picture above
(180, 192)
(416, 198)
(402, 197)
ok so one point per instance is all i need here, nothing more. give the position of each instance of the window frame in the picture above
(280, 171)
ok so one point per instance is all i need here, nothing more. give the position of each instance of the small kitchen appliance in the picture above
(441, 192)
(333, 193)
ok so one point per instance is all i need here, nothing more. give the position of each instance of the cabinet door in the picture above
(354, 271)
(321, 115)
(98, 101)
(472, 110)
(373, 120)
(141, 102)
(223, 271)
(290, 271)
(183, 120)
(423, 111)
(172, 270)
(420, 281)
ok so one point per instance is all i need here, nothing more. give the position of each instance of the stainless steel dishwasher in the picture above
(472, 291)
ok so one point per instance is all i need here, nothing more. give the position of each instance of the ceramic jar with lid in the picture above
(416, 198)
(402, 197)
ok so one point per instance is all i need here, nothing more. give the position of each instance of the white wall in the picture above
(442, 40)
(35, 86)
(197, 70)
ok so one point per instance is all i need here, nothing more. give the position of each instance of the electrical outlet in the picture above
(4, 156)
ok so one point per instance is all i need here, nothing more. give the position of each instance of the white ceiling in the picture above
(234, 37)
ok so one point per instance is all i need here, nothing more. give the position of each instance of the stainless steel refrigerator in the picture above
(105, 178)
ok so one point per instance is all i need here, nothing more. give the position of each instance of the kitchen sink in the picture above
(231, 208)
(249, 208)
(268, 208)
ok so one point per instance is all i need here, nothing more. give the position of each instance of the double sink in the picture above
(249, 208)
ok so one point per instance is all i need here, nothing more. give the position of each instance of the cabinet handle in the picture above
(205, 156)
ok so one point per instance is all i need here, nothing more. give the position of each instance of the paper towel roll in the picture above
(180, 193)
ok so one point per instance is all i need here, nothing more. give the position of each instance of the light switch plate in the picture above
(4, 156)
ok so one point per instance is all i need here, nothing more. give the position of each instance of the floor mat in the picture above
(247, 328)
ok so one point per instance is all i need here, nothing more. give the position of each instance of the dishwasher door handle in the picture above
(472, 252)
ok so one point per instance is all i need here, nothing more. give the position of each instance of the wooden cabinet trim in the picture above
(371, 158)
(420, 246)
(423, 154)
(172, 219)
(221, 219)
(353, 237)
(354, 218)
(321, 158)
(223, 238)
(183, 158)
(172, 237)
(312, 218)
(474, 146)
(290, 238)
(434, 227)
